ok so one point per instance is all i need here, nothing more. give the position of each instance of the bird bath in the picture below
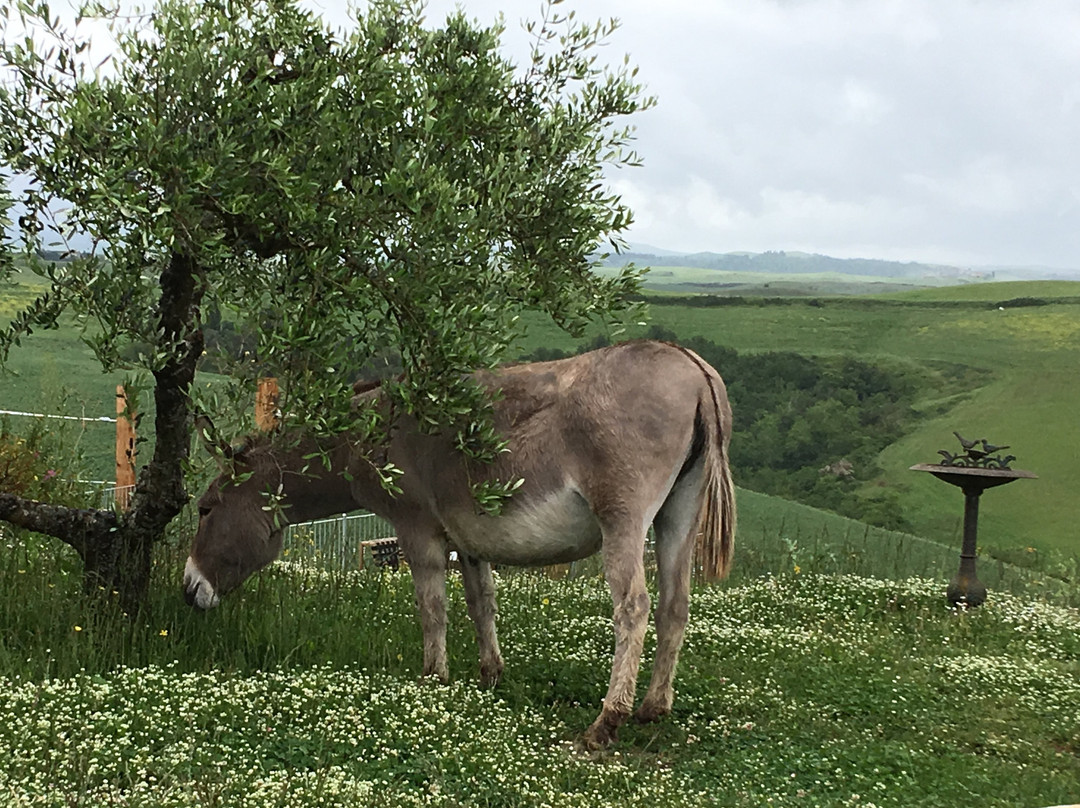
(966, 588)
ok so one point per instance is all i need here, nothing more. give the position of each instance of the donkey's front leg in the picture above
(426, 554)
(624, 569)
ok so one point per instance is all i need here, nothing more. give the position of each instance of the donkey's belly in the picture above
(556, 529)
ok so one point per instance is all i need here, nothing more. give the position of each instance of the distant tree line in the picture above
(806, 428)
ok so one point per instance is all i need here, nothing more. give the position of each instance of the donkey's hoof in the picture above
(603, 732)
(596, 740)
(650, 711)
(435, 679)
(489, 677)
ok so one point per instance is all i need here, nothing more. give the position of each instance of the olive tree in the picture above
(336, 194)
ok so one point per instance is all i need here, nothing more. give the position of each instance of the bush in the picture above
(25, 469)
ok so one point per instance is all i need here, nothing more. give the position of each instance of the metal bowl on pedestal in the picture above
(966, 588)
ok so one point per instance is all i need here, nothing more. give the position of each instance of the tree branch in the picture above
(79, 527)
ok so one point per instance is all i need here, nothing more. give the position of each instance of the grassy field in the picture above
(777, 537)
(1029, 354)
(803, 688)
(829, 671)
(52, 372)
(993, 292)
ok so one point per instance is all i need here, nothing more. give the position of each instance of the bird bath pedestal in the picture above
(966, 588)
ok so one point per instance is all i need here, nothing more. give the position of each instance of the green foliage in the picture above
(397, 186)
(25, 466)
(492, 495)
(44, 461)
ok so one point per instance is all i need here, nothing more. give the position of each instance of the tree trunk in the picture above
(119, 562)
(113, 558)
(116, 548)
(160, 494)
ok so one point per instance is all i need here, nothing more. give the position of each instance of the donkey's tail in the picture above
(716, 527)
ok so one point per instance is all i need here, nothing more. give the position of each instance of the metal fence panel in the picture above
(335, 543)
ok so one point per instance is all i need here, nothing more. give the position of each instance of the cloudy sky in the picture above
(916, 130)
(931, 130)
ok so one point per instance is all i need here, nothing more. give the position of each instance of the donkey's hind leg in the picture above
(624, 544)
(480, 598)
(675, 525)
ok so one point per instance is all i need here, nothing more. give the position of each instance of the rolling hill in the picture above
(1026, 351)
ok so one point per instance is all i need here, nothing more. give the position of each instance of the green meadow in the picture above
(827, 671)
(698, 280)
(803, 687)
(1026, 357)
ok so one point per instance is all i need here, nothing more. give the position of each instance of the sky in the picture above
(945, 131)
(942, 131)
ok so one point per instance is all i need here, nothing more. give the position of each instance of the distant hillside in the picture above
(792, 263)
(795, 263)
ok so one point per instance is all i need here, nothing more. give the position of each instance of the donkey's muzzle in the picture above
(198, 591)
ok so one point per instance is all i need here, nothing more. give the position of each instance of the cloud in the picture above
(919, 129)
(910, 129)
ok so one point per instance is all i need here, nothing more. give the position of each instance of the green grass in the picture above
(778, 537)
(830, 690)
(1026, 358)
(53, 372)
(803, 681)
(995, 292)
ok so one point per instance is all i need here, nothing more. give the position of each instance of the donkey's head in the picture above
(238, 535)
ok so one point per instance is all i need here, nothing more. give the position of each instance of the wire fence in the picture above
(104, 493)
(104, 419)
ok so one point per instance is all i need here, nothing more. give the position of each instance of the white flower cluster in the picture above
(155, 736)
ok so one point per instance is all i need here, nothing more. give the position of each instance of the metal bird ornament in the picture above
(967, 444)
(979, 453)
(999, 462)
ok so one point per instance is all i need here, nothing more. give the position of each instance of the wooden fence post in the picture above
(266, 405)
(125, 448)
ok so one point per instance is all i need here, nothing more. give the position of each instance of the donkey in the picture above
(607, 443)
